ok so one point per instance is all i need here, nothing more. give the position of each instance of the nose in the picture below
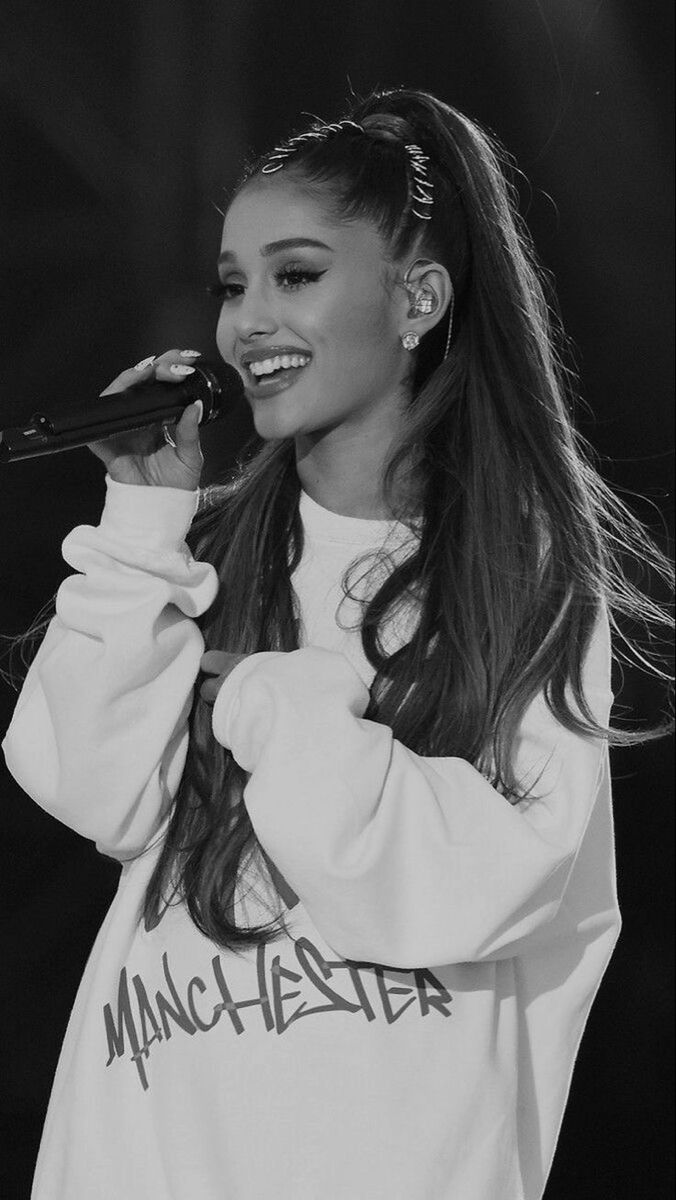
(254, 314)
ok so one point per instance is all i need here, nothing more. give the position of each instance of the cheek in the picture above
(358, 329)
(225, 338)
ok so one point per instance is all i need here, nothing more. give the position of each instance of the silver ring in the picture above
(167, 436)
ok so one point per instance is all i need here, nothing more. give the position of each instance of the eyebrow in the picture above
(274, 247)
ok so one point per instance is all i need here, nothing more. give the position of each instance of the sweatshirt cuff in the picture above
(156, 518)
(295, 690)
(244, 733)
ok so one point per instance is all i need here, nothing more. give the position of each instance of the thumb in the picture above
(186, 431)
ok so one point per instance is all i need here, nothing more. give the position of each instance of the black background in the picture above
(120, 128)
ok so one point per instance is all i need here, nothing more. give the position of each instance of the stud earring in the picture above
(410, 340)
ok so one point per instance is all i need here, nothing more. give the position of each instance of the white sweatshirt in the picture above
(414, 1038)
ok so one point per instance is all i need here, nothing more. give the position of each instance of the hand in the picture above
(219, 664)
(142, 456)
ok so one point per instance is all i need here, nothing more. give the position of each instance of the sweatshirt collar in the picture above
(321, 524)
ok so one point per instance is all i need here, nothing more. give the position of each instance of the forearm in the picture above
(99, 733)
(399, 858)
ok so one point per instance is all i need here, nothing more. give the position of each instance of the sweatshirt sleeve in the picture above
(99, 733)
(398, 858)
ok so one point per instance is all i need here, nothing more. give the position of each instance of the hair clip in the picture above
(422, 185)
(319, 133)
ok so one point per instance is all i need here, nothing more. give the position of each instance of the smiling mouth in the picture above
(275, 367)
(270, 374)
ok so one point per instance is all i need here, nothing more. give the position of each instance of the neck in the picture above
(343, 472)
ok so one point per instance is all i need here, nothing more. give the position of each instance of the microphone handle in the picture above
(121, 412)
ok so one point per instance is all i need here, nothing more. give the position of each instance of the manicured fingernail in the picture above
(200, 410)
(145, 362)
(179, 369)
(190, 353)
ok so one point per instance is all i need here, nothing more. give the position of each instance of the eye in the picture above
(297, 276)
(291, 277)
(220, 290)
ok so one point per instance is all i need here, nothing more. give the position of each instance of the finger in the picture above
(185, 435)
(209, 690)
(186, 432)
(175, 365)
(144, 370)
(214, 662)
(177, 355)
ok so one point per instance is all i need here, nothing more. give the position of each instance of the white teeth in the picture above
(268, 365)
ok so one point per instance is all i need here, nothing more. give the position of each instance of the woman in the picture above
(368, 888)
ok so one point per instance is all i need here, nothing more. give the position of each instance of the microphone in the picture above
(120, 412)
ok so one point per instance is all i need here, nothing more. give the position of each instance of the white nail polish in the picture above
(200, 410)
(145, 362)
(190, 353)
(179, 369)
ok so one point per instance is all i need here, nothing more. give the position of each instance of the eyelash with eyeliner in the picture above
(222, 290)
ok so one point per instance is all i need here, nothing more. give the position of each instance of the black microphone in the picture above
(134, 408)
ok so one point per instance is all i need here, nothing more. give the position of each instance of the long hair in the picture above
(521, 543)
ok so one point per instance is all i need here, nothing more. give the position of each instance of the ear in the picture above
(431, 282)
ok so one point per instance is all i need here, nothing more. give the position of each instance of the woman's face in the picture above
(327, 303)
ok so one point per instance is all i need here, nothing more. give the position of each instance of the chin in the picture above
(271, 425)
